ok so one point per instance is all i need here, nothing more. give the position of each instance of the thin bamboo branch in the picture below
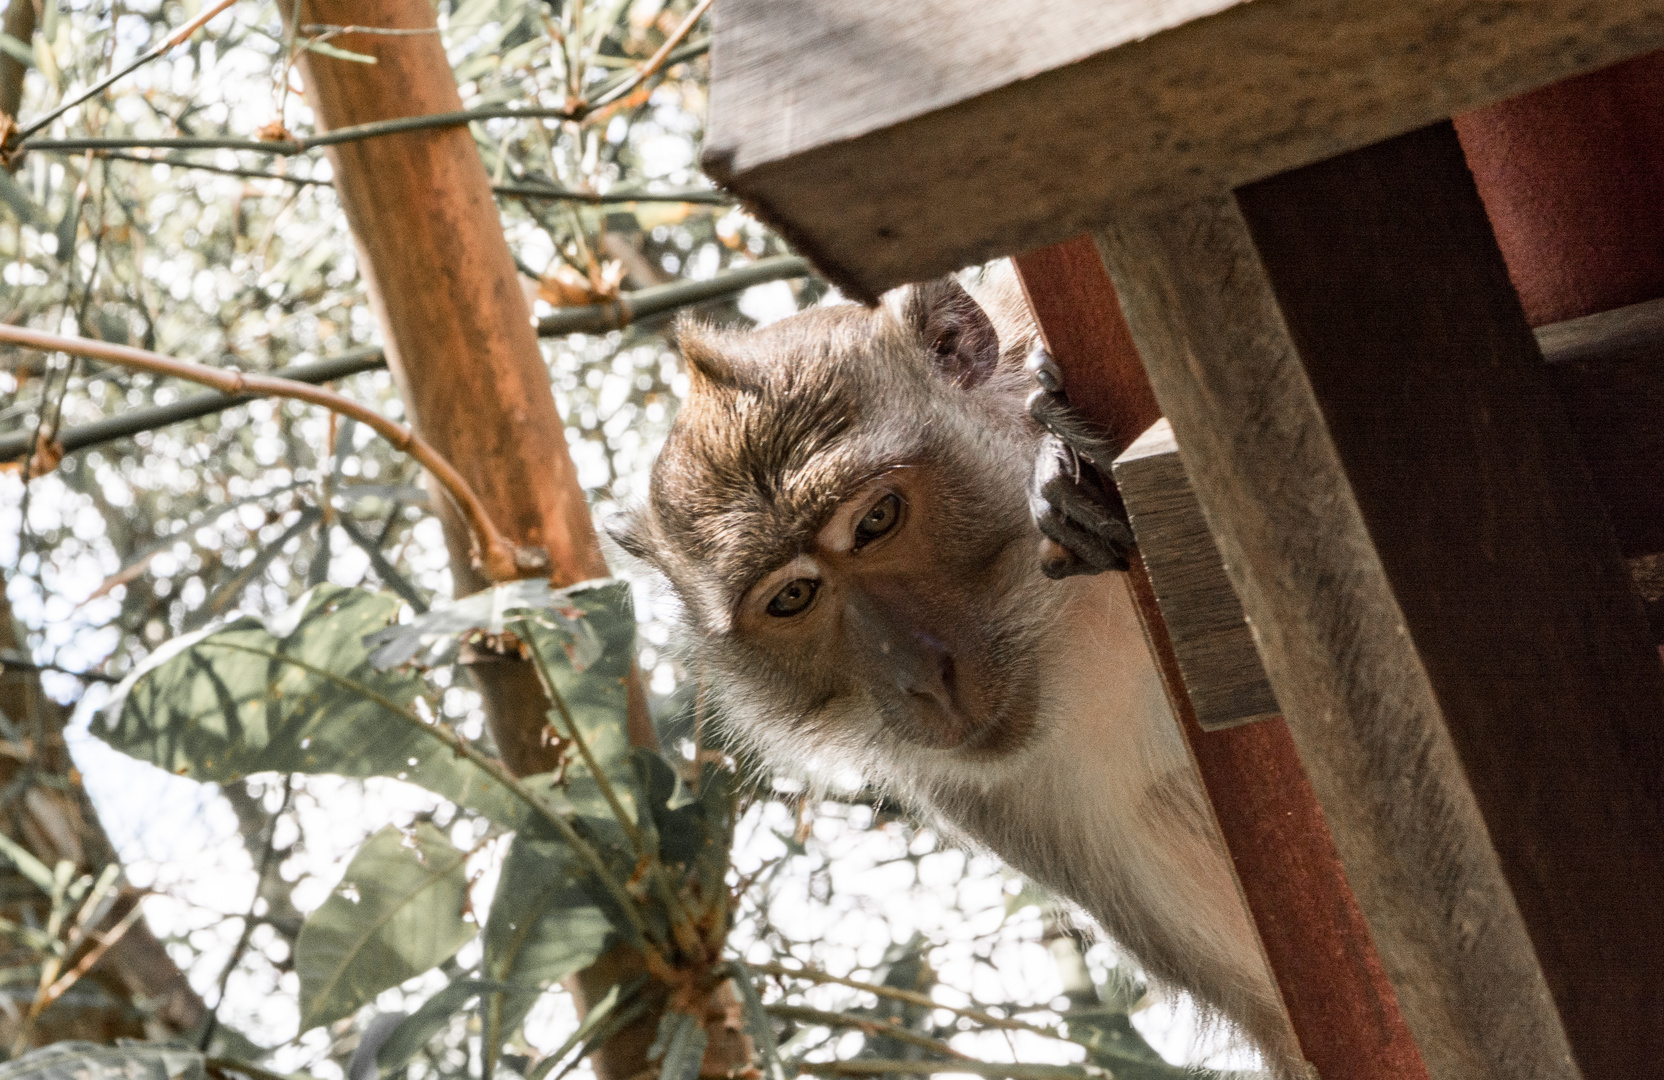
(499, 559)
(659, 299)
(589, 318)
(912, 997)
(178, 37)
(550, 192)
(12, 662)
(649, 69)
(868, 1025)
(134, 421)
(291, 146)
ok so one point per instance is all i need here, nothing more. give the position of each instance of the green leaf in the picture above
(294, 694)
(414, 1031)
(92, 1061)
(17, 50)
(27, 865)
(432, 637)
(542, 927)
(592, 1020)
(590, 681)
(324, 48)
(757, 1023)
(682, 1042)
(396, 913)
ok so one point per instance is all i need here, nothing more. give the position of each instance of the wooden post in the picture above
(1439, 602)
(1337, 996)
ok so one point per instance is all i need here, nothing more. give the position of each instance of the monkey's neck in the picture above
(1105, 807)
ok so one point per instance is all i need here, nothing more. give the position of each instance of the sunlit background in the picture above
(125, 545)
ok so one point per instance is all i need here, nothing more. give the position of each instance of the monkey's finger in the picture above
(1090, 553)
(1044, 370)
(1052, 411)
(1083, 502)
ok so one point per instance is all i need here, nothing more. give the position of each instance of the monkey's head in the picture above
(841, 509)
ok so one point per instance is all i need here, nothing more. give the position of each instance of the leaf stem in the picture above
(868, 1025)
(681, 922)
(910, 996)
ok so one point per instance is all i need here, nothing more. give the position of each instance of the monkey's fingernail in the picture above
(1045, 370)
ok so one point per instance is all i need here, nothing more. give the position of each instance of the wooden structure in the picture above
(1454, 846)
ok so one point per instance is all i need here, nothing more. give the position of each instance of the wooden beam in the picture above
(1438, 599)
(1331, 979)
(1212, 644)
(894, 140)
(1608, 370)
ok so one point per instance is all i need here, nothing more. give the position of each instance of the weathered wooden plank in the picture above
(1438, 601)
(1211, 641)
(898, 139)
(1332, 983)
(1608, 370)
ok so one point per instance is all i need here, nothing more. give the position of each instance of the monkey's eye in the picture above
(879, 520)
(796, 596)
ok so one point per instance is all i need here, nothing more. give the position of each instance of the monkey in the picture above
(892, 553)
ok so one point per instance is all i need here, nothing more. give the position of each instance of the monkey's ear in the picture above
(633, 531)
(702, 348)
(955, 329)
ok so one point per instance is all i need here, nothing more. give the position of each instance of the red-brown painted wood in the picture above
(1572, 177)
(1339, 1001)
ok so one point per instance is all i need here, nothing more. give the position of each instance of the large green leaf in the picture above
(296, 693)
(396, 913)
(91, 1061)
(543, 926)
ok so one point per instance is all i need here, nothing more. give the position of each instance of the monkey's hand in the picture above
(1085, 526)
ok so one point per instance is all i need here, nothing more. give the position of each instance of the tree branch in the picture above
(644, 303)
(499, 559)
(15, 445)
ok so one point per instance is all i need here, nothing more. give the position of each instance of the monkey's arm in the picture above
(1068, 496)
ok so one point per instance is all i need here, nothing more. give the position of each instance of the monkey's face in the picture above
(885, 621)
(841, 508)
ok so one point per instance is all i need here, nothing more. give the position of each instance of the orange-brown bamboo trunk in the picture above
(461, 345)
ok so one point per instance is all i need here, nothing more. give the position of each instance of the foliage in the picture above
(209, 564)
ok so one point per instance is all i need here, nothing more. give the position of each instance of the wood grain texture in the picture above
(1081, 324)
(896, 140)
(1331, 979)
(1353, 690)
(1608, 370)
(1439, 605)
(459, 335)
(1513, 593)
(1211, 641)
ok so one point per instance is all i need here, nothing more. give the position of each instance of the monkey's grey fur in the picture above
(1023, 714)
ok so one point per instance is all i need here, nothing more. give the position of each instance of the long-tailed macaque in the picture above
(843, 508)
